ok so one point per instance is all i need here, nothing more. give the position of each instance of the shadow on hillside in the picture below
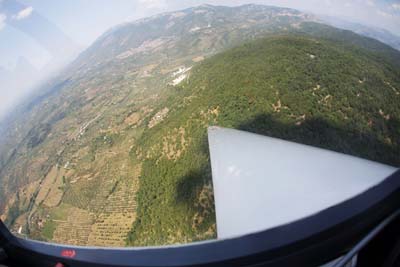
(189, 185)
(315, 132)
(321, 133)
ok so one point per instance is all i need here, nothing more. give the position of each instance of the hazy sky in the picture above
(84, 20)
(39, 30)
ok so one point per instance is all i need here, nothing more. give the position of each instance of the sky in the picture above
(84, 20)
(34, 32)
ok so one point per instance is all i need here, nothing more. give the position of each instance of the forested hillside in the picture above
(298, 88)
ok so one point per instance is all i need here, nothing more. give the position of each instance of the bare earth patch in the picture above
(198, 59)
(132, 119)
(159, 117)
(174, 144)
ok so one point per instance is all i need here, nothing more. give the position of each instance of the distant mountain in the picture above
(379, 34)
(113, 150)
(206, 28)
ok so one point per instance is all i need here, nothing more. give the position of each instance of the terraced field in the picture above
(75, 229)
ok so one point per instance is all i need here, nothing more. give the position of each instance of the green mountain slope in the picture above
(298, 88)
(116, 143)
(66, 150)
